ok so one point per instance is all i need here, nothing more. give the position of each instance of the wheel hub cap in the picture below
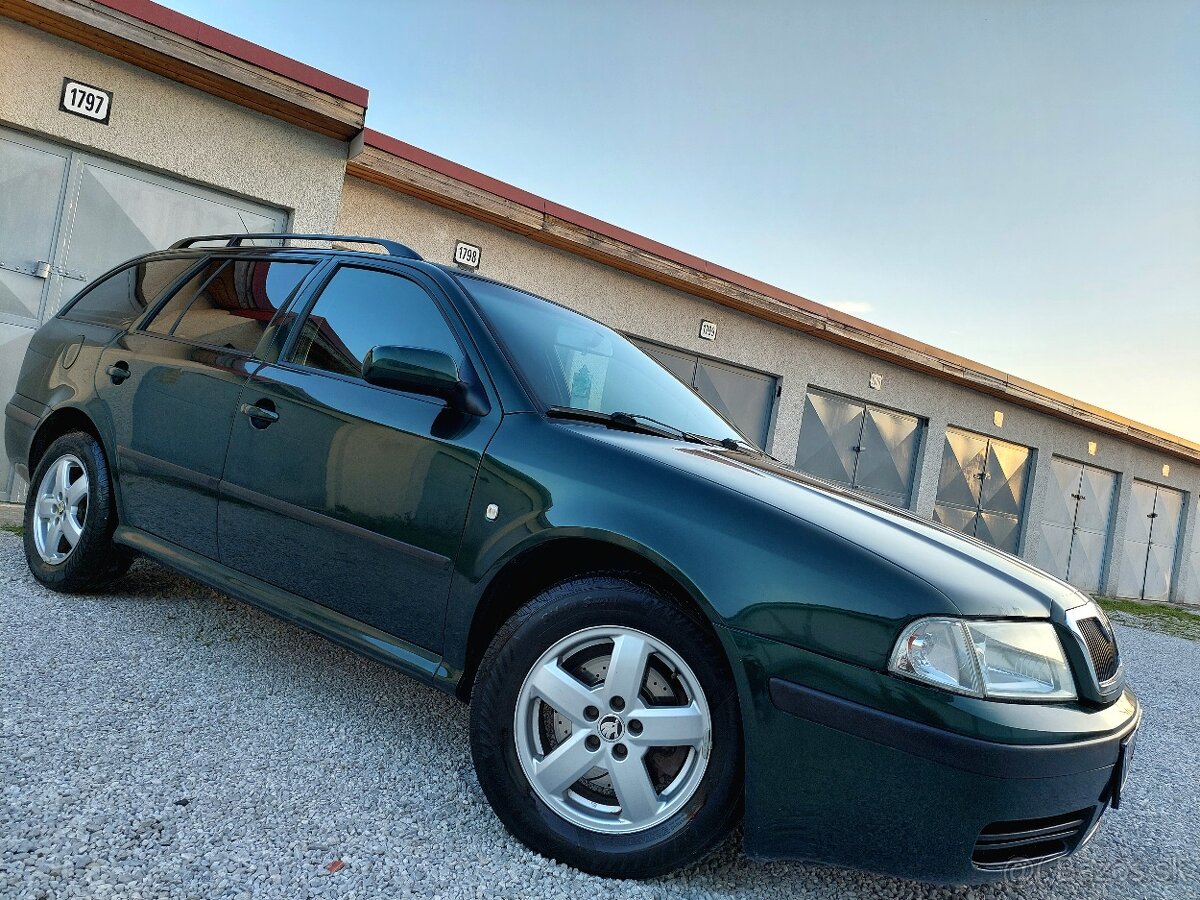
(610, 728)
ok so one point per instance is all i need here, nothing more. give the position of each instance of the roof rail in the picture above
(393, 248)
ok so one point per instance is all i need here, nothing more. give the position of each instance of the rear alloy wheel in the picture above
(605, 729)
(70, 516)
(60, 509)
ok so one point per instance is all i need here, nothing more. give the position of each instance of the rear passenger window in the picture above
(229, 303)
(364, 308)
(119, 300)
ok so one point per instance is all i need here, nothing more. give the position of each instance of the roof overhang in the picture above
(183, 49)
(407, 169)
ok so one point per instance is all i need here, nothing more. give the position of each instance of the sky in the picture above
(1015, 181)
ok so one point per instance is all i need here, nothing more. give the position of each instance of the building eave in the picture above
(185, 50)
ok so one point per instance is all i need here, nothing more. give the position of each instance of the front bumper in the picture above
(845, 781)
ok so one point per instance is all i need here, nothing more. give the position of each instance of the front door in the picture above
(350, 495)
(168, 390)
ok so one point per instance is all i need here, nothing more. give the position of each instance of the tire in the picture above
(85, 512)
(605, 822)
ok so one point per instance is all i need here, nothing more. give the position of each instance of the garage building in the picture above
(125, 126)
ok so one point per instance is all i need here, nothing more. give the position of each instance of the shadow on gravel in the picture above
(401, 749)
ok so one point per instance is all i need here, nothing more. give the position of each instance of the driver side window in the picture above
(363, 308)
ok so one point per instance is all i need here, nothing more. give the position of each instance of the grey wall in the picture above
(653, 311)
(161, 124)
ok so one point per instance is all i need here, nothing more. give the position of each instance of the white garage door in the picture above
(1191, 589)
(1075, 522)
(981, 490)
(67, 217)
(1151, 540)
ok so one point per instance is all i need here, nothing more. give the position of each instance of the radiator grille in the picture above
(1029, 842)
(1102, 647)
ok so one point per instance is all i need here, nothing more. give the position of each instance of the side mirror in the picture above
(418, 371)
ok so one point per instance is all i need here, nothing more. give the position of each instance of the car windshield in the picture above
(568, 360)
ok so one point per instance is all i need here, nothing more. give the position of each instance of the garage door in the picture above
(744, 397)
(1191, 589)
(68, 216)
(981, 490)
(1151, 539)
(862, 447)
(1075, 522)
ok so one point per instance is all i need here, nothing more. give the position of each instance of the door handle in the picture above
(118, 372)
(260, 416)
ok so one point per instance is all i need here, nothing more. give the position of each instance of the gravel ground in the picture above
(165, 741)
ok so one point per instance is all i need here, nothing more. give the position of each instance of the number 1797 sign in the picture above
(84, 100)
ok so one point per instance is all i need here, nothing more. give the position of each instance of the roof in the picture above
(401, 166)
(224, 42)
(183, 49)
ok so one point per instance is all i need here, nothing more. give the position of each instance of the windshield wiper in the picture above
(627, 421)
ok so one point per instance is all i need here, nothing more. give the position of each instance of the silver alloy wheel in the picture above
(60, 509)
(612, 730)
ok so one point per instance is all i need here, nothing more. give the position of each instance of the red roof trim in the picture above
(224, 42)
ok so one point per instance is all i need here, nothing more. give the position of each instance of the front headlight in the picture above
(997, 660)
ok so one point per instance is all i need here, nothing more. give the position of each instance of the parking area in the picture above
(165, 741)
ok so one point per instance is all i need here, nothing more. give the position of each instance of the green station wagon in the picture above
(661, 630)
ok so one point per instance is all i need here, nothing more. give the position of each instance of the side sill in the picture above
(948, 748)
(423, 664)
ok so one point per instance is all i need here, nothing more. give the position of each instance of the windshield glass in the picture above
(570, 360)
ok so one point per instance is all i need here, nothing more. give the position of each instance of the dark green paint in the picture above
(360, 513)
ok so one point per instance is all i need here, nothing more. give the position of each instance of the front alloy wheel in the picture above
(612, 730)
(605, 729)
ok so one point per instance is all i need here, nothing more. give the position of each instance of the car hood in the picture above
(977, 578)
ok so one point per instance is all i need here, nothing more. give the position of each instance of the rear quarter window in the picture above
(230, 302)
(122, 297)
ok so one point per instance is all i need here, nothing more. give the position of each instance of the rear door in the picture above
(351, 495)
(168, 389)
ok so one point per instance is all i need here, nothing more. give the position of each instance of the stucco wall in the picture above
(160, 124)
(647, 309)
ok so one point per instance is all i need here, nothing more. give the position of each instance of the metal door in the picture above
(744, 397)
(862, 447)
(981, 490)
(67, 217)
(119, 212)
(33, 177)
(352, 495)
(681, 365)
(1151, 541)
(1075, 522)
(1191, 589)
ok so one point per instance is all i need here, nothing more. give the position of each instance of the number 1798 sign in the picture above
(84, 100)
